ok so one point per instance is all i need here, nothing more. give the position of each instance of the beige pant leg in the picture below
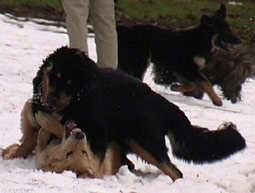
(76, 22)
(102, 16)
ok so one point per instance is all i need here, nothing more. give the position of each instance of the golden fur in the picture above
(75, 155)
(51, 155)
(29, 124)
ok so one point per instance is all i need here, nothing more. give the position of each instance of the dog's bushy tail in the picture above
(200, 145)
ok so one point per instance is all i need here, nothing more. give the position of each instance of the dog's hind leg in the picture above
(202, 85)
(195, 79)
(29, 128)
(163, 163)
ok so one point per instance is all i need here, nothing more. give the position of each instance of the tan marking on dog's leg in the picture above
(207, 87)
(50, 123)
(166, 166)
(28, 141)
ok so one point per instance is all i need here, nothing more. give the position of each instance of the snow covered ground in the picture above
(23, 46)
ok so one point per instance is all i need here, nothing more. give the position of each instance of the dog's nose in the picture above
(79, 136)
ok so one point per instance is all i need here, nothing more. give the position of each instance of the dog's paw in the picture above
(10, 152)
(217, 102)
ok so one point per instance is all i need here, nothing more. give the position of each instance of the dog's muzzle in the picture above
(72, 130)
(50, 103)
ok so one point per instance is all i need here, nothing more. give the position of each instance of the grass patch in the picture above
(169, 13)
(33, 3)
(185, 13)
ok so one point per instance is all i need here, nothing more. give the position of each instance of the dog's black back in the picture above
(174, 51)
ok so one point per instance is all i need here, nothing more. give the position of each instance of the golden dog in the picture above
(71, 153)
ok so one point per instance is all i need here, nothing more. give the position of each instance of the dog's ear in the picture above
(221, 13)
(89, 69)
(85, 63)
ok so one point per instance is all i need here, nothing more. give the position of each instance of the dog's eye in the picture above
(69, 154)
(84, 153)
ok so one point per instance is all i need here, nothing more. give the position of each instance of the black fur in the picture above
(207, 145)
(172, 52)
(112, 106)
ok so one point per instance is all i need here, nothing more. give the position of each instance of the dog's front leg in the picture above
(29, 128)
(50, 123)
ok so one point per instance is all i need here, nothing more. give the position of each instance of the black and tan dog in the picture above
(177, 53)
(111, 106)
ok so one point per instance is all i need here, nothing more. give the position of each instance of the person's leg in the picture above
(76, 22)
(102, 16)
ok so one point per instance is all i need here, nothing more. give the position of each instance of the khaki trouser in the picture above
(102, 16)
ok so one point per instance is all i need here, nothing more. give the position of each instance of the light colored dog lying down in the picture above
(68, 150)
(73, 153)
